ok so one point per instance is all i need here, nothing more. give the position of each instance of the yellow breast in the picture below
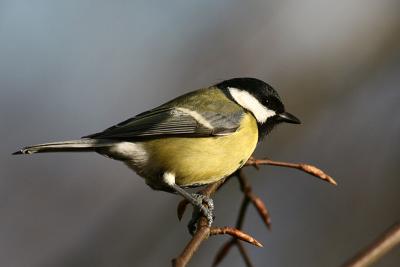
(200, 160)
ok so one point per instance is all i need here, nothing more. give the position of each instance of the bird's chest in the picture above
(196, 161)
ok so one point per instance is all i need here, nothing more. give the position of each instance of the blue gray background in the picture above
(70, 68)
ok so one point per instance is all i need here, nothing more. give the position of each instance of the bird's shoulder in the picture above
(210, 99)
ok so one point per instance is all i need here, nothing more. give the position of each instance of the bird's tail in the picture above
(80, 145)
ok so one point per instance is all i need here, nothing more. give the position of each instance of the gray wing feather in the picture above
(167, 121)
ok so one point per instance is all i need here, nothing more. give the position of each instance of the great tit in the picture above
(195, 139)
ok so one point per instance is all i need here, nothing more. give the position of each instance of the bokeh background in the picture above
(70, 68)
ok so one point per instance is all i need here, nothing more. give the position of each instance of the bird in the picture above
(193, 140)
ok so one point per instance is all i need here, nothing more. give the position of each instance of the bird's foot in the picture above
(203, 205)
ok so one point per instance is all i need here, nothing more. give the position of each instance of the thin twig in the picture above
(248, 198)
(377, 249)
(204, 231)
(261, 208)
(181, 208)
(235, 233)
(244, 254)
(310, 169)
(201, 234)
(223, 251)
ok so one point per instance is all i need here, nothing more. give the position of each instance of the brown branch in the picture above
(201, 234)
(261, 208)
(310, 169)
(204, 231)
(377, 249)
(182, 208)
(244, 254)
(249, 197)
(235, 233)
(223, 251)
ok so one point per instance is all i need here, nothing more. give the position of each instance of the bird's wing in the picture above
(174, 121)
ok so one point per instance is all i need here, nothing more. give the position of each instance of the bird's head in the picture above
(260, 99)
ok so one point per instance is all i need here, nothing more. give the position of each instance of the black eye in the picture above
(274, 104)
(266, 102)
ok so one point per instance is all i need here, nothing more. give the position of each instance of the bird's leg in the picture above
(201, 204)
(198, 201)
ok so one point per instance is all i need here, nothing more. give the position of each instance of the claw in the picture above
(201, 209)
(202, 198)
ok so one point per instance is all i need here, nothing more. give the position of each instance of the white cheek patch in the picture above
(249, 102)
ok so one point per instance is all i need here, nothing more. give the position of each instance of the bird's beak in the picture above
(289, 118)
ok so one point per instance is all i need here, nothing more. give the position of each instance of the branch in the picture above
(249, 197)
(236, 233)
(201, 234)
(204, 231)
(377, 249)
(310, 169)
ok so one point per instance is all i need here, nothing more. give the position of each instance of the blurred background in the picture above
(71, 68)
